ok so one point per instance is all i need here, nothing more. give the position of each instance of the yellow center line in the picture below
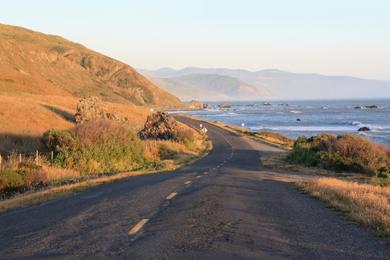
(138, 227)
(172, 195)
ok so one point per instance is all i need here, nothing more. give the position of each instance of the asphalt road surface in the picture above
(221, 207)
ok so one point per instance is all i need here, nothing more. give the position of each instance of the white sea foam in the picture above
(295, 111)
(306, 128)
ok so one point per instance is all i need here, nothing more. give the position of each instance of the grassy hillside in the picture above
(36, 63)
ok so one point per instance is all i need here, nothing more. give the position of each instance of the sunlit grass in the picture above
(364, 203)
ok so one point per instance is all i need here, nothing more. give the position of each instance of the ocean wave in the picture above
(373, 127)
(306, 128)
(325, 128)
(226, 114)
(177, 112)
(357, 123)
(295, 111)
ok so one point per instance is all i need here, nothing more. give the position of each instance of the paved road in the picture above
(221, 207)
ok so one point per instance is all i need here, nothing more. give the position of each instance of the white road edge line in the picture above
(187, 182)
(171, 196)
(138, 227)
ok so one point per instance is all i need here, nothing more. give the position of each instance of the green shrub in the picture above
(96, 147)
(17, 176)
(11, 180)
(341, 153)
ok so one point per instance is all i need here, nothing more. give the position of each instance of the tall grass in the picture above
(21, 175)
(367, 204)
(96, 147)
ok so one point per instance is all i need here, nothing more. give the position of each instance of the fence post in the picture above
(1, 160)
(36, 157)
(51, 157)
(20, 158)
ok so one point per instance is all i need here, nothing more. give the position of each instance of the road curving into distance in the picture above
(222, 206)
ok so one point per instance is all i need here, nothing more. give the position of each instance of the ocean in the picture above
(308, 118)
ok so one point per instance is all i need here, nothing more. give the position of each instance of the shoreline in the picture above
(296, 118)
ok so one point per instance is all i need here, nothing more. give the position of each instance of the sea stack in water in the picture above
(367, 107)
(364, 129)
(224, 105)
(194, 104)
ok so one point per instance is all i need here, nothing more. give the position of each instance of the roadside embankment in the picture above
(93, 153)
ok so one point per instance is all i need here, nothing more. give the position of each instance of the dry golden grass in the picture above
(184, 153)
(56, 174)
(34, 197)
(364, 203)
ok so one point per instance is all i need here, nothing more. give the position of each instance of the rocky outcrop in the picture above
(367, 107)
(224, 105)
(364, 129)
(92, 109)
(194, 104)
(159, 126)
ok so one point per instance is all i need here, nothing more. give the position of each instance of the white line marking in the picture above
(198, 176)
(171, 196)
(138, 227)
(187, 182)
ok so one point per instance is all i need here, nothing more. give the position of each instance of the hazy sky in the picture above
(345, 37)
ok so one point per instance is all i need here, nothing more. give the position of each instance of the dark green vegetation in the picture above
(342, 153)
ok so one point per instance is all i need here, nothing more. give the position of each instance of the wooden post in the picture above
(1, 160)
(51, 157)
(36, 157)
(20, 158)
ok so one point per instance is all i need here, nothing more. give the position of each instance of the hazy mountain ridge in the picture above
(288, 85)
(206, 86)
(37, 63)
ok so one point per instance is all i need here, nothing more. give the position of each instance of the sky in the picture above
(332, 37)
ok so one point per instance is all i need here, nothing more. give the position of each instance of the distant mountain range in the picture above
(230, 84)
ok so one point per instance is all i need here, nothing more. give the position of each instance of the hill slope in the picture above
(36, 63)
(287, 85)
